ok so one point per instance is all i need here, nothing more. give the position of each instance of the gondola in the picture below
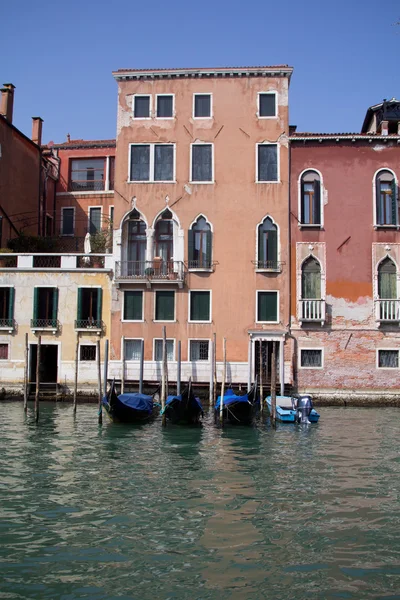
(130, 408)
(185, 408)
(238, 410)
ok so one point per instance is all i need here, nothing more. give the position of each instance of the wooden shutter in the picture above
(394, 202)
(208, 249)
(99, 303)
(272, 249)
(133, 305)
(261, 254)
(200, 306)
(267, 306)
(11, 303)
(79, 305)
(379, 216)
(302, 201)
(55, 305)
(190, 245)
(317, 203)
(35, 302)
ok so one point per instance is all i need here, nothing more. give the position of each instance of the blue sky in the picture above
(60, 55)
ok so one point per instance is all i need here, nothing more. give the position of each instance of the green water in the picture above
(144, 513)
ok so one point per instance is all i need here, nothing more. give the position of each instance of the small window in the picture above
(267, 307)
(202, 106)
(202, 163)
(89, 308)
(267, 162)
(310, 198)
(141, 107)
(94, 220)
(87, 175)
(45, 307)
(388, 359)
(311, 359)
(200, 309)
(3, 351)
(67, 221)
(199, 350)
(386, 198)
(6, 306)
(158, 350)
(267, 105)
(200, 245)
(152, 162)
(165, 306)
(133, 349)
(87, 352)
(267, 245)
(165, 106)
(133, 305)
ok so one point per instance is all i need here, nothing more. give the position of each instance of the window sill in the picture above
(132, 320)
(87, 193)
(201, 182)
(201, 270)
(270, 117)
(8, 329)
(165, 118)
(275, 181)
(200, 322)
(310, 226)
(376, 227)
(141, 118)
(278, 270)
(52, 330)
(267, 322)
(164, 321)
(96, 330)
(151, 182)
(203, 118)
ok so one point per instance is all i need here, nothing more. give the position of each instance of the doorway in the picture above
(48, 367)
(266, 349)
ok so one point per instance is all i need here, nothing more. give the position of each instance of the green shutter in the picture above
(267, 306)
(260, 235)
(302, 202)
(317, 203)
(79, 305)
(272, 248)
(11, 303)
(165, 306)
(55, 305)
(190, 245)
(200, 306)
(35, 302)
(99, 303)
(394, 202)
(133, 306)
(208, 248)
(379, 216)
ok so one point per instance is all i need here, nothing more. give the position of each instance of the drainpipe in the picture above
(289, 334)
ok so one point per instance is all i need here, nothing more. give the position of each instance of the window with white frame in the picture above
(311, 358)
(267, 163)
(152, 162)
(165, 106)
(310, 201)
(95, 219)
(87, 174)
(158, 350)
(311, 279)
(141, 106)
(133, 305)
(386, 198)
(267, 307)
(67, 221)
(266, 104)
(132, 349)
(202, 108)
(202, 163)
(388, 359)
(267, 233)
(199, 350)
(200, 245)
(200, 306)
(164, 305)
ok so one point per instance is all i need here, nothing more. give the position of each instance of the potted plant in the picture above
(4, 261)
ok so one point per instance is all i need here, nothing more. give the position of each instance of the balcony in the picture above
(51, 325)
(150, 271)
(201, 265)
(7, 325)
(60, 262)
(312, 311)
(267, 266)
(90, 185)
(387, 311)
(91, 325)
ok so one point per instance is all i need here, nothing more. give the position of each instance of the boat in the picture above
(130, 407)
(294, 409)
(238, 409)
(185, 408)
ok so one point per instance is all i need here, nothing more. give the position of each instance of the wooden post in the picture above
(211, 374)
(123, 366)
(37, 379)
(178, 369)
(141, 369)
(261, 381)
(99, 383)
(273, 385)
(26, 373)
(76, 372)
(105, 367)
(215, 368)
(163, 377)
(221, 408)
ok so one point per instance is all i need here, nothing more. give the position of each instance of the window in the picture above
(202, 163)
(199, 306)
(6, 307)
(202, 106)
(267, 307)
(200, 245)
(67, 221)
(310, 210)
(87, 174)
(45, 307)
(133, 349)
(165, 106)
(111, 172)
(198, 349)
(387, 280)
(164, 241)
(267, 245)
(94, 220)
(89, 308)
(267, 104)
(388, 359)
(165, 306)
(136, 247)
(133, 305)
(158, 349)
(3, 351)
(141, 106)
(311, 279)
(386, 198)
(152, 162)
(267, 162)
(310, 359)
(87, 352)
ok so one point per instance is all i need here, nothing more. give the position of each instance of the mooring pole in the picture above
(26, 373)
(163, 377)
(123, 365)
(211, 373)
(76, 372)
(37, 379)
(99, 383)
(261, 381)
(105, 367)
(221, 407)
(141, 371)
(178, 369)
(215, 369)
(273, 385)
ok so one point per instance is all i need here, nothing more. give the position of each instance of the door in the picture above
(48, 367)
(266, 348)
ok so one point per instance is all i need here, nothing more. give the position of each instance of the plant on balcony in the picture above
(4, 261)
(99, 242)
(31, 243)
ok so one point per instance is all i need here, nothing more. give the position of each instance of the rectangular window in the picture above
(165, 106)
(133, 349)
(267, 307)
(141, 107)
(200, 306)
(89, 308)
(267, 105)
(67, 221)
(267, 162)
(198, 349)
(311, 359)
(6, 306)
(87, 352)
(133, 305)
(202, 106)
(158, 350)
(165, 306)
(152, 162)
(3, 351)
(111, 172)
(202, 163)
(388, 359)
(94, 220)
(87, 175)
(45, 307)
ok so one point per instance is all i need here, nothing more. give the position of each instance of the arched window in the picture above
(386, 201)
(200, 245)
(136, 246)
(311, 279)
(267, 245)
(387, 284)
(310, 198)
(164, 237)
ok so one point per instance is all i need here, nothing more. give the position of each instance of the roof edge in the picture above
(278, 70)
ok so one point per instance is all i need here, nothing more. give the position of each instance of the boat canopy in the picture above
(231, 398)
(172, 399)
(137, 401)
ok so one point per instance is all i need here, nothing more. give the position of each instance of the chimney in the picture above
(7, 101)
(384, 127)
(37, 123)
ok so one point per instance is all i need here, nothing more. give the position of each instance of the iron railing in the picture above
(388, 310)
(7, 323)
(312, 310)
(200, 264)
(44, 324)
(8, 261)
(46, 262)
(154, 270)
(87, 185)
(268, 265)
(88, 324)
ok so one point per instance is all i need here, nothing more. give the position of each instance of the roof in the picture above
(303, 136)
(372, 109)
(255, 71)
(73, 144)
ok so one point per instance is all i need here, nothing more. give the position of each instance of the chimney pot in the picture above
(7, 101)
(384, 127)
(37, 124)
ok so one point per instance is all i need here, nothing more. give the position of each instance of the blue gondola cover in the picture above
(137, 401)
(229, 398)
(171, 399)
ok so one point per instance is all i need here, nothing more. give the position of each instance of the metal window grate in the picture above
(388, 359)
(311, 358)
(87, 352)
(199, 350)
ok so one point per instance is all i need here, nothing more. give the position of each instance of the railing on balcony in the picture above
(89, 185)
(46, 262)
(312, 311)
(69, 262)
(151, 270)
(207, 265)
(388, 311)
(89, 324)
(7, 324)
(7, 261)
(268, 265)
(44, 324)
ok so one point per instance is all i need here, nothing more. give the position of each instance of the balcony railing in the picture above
(93, 185)
(312, 311)
(268, 265)
(68, 262)
(87, 324)
(206, 265)
(387, 311)
(170, 271)
(8, 324)
(51, 324)
(47, 262)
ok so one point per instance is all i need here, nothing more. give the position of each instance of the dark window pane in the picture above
(202, 105)
(201, 162)
(94, 220)
(142, 107)
(163, 162)
(267, 306)
(140, 163)
(133, 306)
(67, 225)
(311, 358)
(165, 306)
(88, 352)
(3, 351)
(267, 105)
(87, 174)
(199, 349)
(389, 359)
(164, 106)
(267, 162)
(199, 306)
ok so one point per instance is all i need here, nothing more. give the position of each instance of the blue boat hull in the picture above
(288, 415)
(238, 410)
(129, 408)
(185, 409)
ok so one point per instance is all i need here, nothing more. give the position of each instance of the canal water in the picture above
(144, 513)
